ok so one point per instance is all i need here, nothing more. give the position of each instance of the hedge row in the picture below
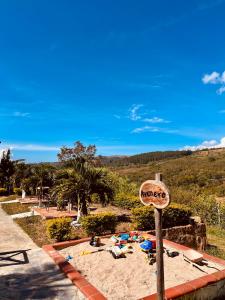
(59, 229)
(99, 223)
(173, 215)
(102, 223)
(127, 201)
(4, 192)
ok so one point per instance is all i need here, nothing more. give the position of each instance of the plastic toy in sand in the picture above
(146, 246)
(69, 257)
(95, 241)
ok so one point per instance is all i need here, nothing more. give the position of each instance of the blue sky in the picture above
(128, 76)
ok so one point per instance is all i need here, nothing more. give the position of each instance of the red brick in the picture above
(80, 282)
(150, 297)
(214, 259)
(89, 290)
(180, 290)
(97, 296)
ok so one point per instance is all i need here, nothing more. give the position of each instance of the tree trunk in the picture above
(84, 207)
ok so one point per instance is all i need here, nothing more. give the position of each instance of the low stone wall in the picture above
(192, 235)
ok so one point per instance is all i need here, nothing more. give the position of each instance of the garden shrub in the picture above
(99, 223)
(143, 218)
(127, 201)
(176, 215)
(59, 229)
(17, 191)
(173, 215)
(3, 192)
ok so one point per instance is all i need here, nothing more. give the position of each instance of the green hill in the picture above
(187, 176)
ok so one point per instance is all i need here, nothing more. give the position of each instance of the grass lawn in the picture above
(216, 241)
(8, 198)
(35, 227)
(15, 208)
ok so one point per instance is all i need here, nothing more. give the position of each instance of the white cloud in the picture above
(20, 114)
(155, 120)
(153, 129)
(31, 147)
(223, 77)
(215, 78)
(15, 114)
(221, 90)
(207, 144)
(134, 116)
(212, 78)
(117, 116)
(145, 129)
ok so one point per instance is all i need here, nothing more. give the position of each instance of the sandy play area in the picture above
(130, 277)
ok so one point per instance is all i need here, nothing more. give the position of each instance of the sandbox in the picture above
(98, 276)
(130, 277)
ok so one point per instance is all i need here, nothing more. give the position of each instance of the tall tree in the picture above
(87, 179)
(7, 169)
(79, 153)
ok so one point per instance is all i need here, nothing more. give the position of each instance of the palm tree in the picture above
(39, 176)
(81, 183)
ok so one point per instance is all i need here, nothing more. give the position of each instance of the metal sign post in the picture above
(154, 192)
(159, 249)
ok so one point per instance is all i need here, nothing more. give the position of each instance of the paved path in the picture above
(25, 214)
(9, 201)
(28, 274)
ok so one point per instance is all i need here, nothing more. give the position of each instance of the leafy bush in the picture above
(206, 207)
(99, 223)
(143, 218)
(59, 229)
(17, 191)
(173, 215)
(176, 215)
(127, 201)
(3, 192)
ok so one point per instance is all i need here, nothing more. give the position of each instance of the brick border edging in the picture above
(93, 294)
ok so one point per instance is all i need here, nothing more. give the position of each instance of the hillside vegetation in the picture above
(142, 158)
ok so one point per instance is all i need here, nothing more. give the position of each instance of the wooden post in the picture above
(159, 249)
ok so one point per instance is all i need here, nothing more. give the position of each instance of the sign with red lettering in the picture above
(153, 192)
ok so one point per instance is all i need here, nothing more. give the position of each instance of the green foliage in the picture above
(84, 181)
(145, 158)
(127, 201)
(206, 207)
(173, 215)
(99, 223)
(59, 229)
(7, 169)
(143, 218)
(3, 192)
(215, 251)
(17, 191)
(176, 215)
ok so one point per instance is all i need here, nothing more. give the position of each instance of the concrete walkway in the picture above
(25, 214)
(26, 271)
(9, 201)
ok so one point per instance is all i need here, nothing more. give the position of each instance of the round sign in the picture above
(154, 192)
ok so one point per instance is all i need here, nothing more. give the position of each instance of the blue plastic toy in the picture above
(146, 245)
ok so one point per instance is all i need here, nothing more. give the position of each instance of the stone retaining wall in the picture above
(192, 235)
